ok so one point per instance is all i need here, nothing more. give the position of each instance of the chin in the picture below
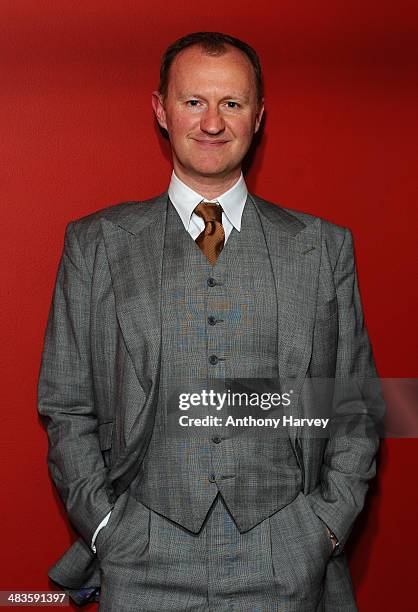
(210, 169)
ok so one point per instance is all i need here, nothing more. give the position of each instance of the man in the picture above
(205, 283)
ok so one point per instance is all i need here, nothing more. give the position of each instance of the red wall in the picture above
(77, 133)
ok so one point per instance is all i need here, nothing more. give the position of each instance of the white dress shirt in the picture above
(185, 200)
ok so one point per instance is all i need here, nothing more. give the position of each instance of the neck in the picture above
(208, 186)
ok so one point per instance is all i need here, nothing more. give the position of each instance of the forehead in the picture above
(193, 68)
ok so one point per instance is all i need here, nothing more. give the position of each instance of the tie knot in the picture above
(212, 238)
(209, 212)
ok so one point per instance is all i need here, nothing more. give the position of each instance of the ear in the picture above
(259, 116)
(158, 106)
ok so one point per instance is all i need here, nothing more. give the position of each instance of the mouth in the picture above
(210, 143)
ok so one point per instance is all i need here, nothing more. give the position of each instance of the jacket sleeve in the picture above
(358, 407)
(66, 397)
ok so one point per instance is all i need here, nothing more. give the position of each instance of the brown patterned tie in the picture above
(211, 240)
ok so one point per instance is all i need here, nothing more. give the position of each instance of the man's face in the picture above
(210, 111)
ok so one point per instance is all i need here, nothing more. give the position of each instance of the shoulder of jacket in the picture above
(88, 227)
(332, 234)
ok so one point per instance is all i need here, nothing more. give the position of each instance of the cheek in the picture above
(243, 131)
(181, 125)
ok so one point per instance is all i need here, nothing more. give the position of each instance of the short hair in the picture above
(213, 43)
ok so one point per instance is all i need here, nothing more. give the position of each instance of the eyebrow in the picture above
(243, 97)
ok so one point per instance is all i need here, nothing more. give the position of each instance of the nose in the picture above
(212, 121)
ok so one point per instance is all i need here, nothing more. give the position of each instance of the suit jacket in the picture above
(98, 382)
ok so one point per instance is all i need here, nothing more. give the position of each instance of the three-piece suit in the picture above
(227, 520)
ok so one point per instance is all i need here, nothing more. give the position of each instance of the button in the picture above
(211, 282)
(212, 478)
(212, 320)
(216, 439)
(213, 359)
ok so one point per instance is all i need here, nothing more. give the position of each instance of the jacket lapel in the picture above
(294, 249)
(134, 247)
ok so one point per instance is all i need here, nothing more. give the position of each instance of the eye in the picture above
(232, 104)
(192, 102)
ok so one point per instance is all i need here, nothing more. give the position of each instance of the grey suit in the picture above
(99, 382)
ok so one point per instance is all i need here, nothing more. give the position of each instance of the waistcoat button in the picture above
(212, 320)
(211, 282)
(216, 439)
(213, 359)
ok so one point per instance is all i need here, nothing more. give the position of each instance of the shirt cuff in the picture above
(102, 523)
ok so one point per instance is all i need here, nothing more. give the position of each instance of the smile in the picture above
(211, 143)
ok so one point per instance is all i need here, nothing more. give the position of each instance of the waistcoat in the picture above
(218, 323)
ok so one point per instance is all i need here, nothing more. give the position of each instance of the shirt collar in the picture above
(186, 199)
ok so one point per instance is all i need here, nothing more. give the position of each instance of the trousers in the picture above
(148, 563)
